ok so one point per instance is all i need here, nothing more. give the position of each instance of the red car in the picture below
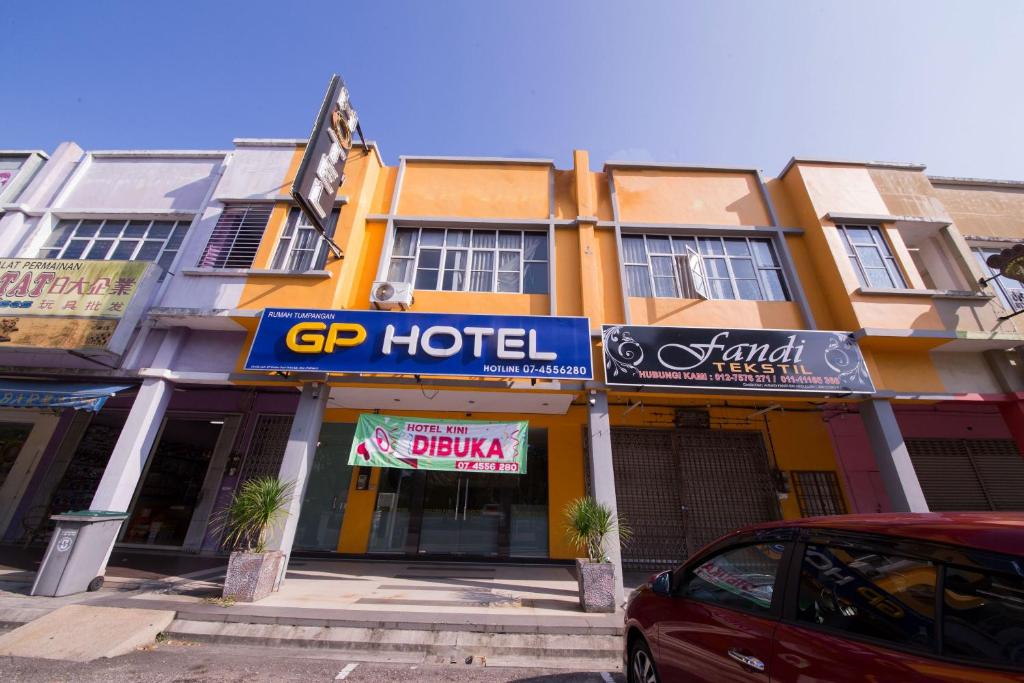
(886, 597)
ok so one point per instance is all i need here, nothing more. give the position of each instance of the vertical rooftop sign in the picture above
(323, 164)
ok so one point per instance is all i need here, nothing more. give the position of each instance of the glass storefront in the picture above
(323, 505)
(170, 490)
(464, 513)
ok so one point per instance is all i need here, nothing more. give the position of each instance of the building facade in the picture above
(891, 259)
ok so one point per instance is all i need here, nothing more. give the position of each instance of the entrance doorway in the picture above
(174, 478)
(681, 489)
(465, 514)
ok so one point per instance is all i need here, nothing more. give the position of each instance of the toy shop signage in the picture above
(448, 445)
(72, 304)
(716, 358)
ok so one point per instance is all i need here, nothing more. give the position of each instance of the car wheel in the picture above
(641, 664)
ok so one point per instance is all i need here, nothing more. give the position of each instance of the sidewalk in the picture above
(507, 613)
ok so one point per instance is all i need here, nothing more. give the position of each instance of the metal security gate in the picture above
(647, 493)
(267, 446)
(680, 489)
(969, 474)
(726, 483)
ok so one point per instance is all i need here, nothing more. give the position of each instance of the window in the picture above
(983, 617)
(1010, 291)
(463, 260)
(703, 267)
(116, 240)
(818, 494)
(867, 593)
(236, 237)
(301, 248)
(871, 257)
(740, 578)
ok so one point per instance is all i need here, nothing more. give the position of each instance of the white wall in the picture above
(142, 184)
(256, 173)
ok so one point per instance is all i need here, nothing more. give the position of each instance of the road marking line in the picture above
(343, 674)
(607, 677)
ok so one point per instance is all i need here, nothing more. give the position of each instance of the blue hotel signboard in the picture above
(451, 344)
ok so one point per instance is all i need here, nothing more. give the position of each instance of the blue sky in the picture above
(730, 83)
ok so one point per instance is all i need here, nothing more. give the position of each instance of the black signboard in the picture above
(322, 169)
(752, 360)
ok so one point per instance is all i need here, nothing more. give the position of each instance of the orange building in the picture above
(888, 258)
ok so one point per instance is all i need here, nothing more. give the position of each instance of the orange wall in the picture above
(474, 190)
(674, 196)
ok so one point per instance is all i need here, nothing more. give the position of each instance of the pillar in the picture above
(298, 463)
(892, 457)
(127, 462)
(602, 478)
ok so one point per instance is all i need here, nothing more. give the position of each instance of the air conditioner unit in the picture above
(390, 295)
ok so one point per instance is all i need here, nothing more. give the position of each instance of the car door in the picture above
(862, 609)
(721, 622)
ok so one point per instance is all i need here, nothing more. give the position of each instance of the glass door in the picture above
(391, 515)
(167, 498)
(464, 513)
(323, 505)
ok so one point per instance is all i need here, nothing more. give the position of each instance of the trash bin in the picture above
(77, 552)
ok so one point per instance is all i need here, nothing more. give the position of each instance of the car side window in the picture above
(740, 578)
(863, 592)
(983, 617)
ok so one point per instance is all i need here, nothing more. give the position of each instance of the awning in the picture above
(26, 394)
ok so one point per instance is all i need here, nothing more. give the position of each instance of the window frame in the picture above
(470, 250)
(681, 283)
(890, 263)
(179, 227)
(284, 250)
(938, 554)
(779, 592)
(248, 207)
(1001, 289)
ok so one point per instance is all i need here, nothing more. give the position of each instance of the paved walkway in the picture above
(402, 594)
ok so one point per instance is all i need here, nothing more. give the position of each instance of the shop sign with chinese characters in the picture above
(449, 445)
(754, 360)
(72, 304)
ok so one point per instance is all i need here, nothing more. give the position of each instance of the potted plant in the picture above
(256, 509)
(588, 523)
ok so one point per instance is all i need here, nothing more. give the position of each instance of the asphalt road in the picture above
(195, 663)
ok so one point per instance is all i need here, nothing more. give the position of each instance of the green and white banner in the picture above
(428, 444)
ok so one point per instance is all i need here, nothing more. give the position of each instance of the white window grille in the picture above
(116, 239)
(462, 260)
(703, 267)
(236, 237)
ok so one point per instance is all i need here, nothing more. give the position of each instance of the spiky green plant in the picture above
(588, 522)
(256, 509)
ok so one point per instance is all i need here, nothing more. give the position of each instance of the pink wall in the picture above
(940, 421)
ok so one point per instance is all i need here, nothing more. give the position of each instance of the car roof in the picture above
(1001, 532)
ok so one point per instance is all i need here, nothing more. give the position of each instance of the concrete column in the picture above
(892, 457)
(298, 462)
(602, 477)
(127, 462)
